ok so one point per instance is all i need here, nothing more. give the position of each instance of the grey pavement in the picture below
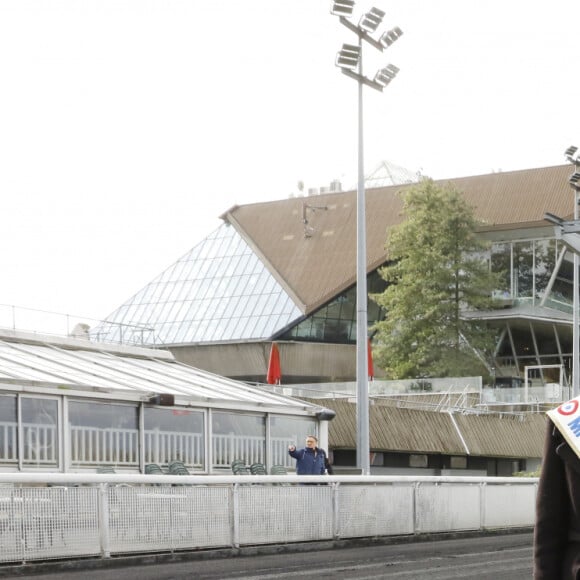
(490, 557)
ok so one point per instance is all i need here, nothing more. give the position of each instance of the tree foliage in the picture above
(437, 272)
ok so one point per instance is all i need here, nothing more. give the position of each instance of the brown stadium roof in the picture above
(316, 261)
(415, 431)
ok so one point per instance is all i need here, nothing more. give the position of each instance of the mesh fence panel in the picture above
(168, 518)
(518, 498)
(444, 508)
(279, 513)
(370, 510)
(44, 523)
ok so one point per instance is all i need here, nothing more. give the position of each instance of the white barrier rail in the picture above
(92, 446)
(46, 516)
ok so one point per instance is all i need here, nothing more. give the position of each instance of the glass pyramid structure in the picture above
(219, 291)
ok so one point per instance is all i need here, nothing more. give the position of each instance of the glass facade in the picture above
(529, 278)
(103, 434)
(525, 268)
(285, 431)
(175, 435)
(219, 291)
(8, 430)
(236, 436)
(39, 429)
(336, 322)
(128, 436)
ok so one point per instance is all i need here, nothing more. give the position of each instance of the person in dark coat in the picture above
(310, 460)
(557, 529)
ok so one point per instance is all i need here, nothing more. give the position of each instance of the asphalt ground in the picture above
(487, 557)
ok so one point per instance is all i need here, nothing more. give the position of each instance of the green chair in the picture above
(153, 469)
(278, 470)
(258, 469)
(178, 468)
(239, 467)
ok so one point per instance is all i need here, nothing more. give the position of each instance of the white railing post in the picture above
(414, 507)
(103, 517)
(482, 503)
(235, 515)
(336, 510)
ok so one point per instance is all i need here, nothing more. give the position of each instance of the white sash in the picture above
(566, 417)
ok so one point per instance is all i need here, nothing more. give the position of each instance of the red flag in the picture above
(274, 370)
(371, 369)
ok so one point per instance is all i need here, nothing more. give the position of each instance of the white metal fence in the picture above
(91, 445)
(94, 446)
(227, 448)
(92, 515)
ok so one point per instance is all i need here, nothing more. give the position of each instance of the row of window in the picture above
(64, 433)
(433, 462)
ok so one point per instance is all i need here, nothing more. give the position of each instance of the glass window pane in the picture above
(103, 434)
(289, 431)
(39, 432)
(523, 261)
(562, 291)
(237, 436)
(8, 430)
(222, 267)
(545, 252)
(174, 435)
(501, 264)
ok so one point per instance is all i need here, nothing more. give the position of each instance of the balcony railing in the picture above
(93, 446)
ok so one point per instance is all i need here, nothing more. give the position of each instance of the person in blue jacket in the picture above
(310, 460)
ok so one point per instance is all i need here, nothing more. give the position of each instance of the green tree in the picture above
(437, 272)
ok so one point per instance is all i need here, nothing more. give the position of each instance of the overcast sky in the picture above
(128, 126)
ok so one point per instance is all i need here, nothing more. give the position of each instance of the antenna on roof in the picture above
(309, 230)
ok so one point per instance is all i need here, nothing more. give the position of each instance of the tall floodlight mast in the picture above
(574, 181)
(350, 59)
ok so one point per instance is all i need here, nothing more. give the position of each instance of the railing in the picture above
(40, 444)
(227, 448)
(551, 393)
(94, 446)
(113, 514)
(9, 442)
(60, 324)
(161, 447)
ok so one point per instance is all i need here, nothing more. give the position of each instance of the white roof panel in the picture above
(57, 363)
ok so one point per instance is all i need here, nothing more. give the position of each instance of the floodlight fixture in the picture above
(387, 38)
(371, 20)
(572, 156)
(342, 7)
(348, 57)
(574, 179)
(385, 75)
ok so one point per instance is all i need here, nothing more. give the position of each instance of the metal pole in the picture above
(362, 400)
(575, 342)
